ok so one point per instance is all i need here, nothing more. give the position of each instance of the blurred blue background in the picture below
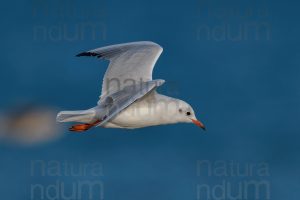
(236, 62)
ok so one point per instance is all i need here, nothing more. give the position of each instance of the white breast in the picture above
(154, 109)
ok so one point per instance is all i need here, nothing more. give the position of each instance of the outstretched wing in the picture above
(130, 63)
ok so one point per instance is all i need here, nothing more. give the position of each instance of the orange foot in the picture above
(83, 127)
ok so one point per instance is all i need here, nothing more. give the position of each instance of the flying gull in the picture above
(129, 98)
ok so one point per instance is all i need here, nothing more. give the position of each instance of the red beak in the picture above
(198, 123)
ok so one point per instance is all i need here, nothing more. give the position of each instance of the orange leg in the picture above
(83, 127)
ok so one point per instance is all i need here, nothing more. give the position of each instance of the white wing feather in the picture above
(130, 63)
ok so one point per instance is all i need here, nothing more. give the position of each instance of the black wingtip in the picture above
(86, 54)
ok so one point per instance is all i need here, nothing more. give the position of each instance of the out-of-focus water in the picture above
(236, 62)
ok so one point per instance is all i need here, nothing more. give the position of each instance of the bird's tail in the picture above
(88, 117)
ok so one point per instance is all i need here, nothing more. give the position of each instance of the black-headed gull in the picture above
(129, 98)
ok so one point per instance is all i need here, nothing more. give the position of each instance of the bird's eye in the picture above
(188, 113)
(180, 110)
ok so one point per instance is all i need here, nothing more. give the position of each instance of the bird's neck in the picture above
(164, 107)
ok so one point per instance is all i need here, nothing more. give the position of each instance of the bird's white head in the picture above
(185, 113)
